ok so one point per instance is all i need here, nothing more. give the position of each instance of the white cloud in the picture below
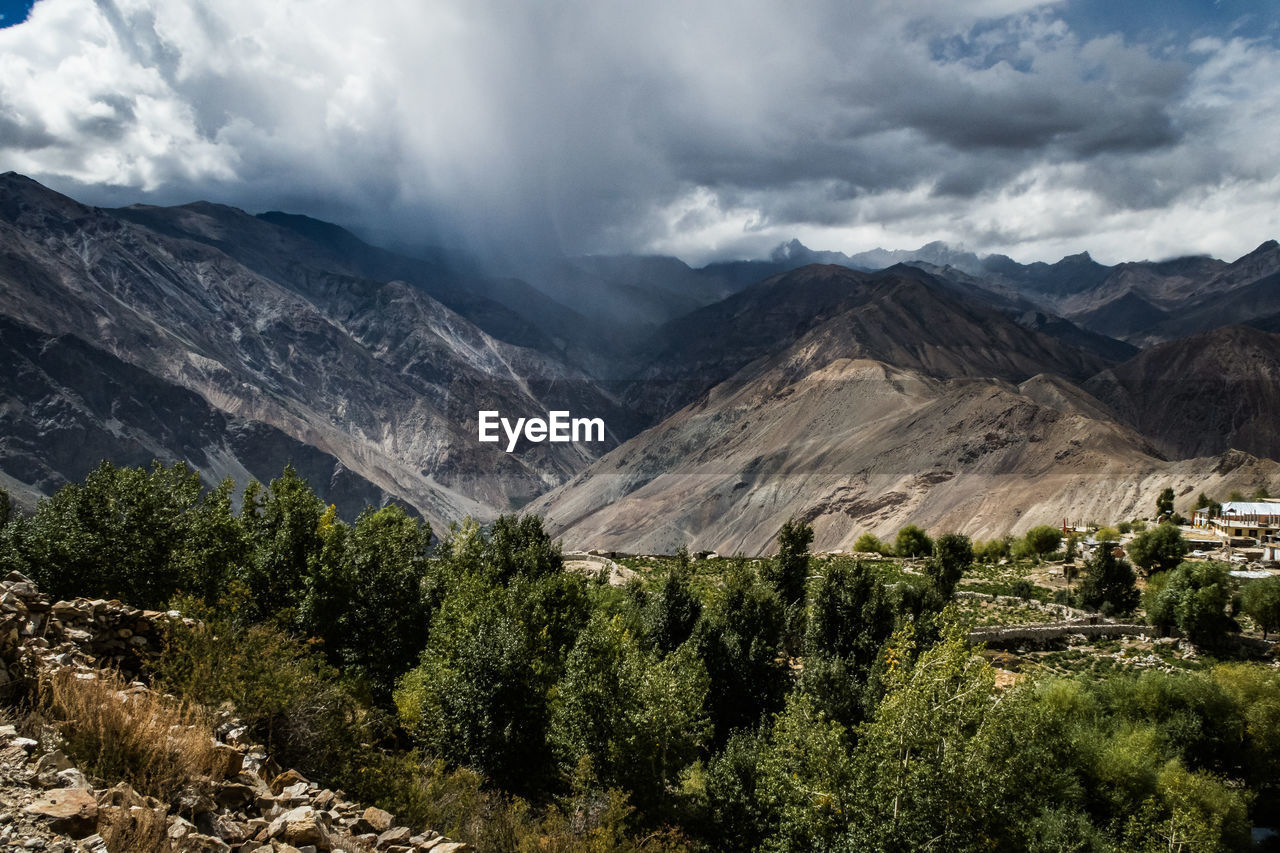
(703, 129)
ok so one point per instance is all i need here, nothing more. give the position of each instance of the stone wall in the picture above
(1042, 634)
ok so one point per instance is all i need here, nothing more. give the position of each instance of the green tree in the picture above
(1164, 503)
(122, 534)
(1159, 549)
(788, 571)
(1261, 601)
(993, 550)
(849, 621)
(671, 613)
(497, 645)
(478, 698)
(6, 508)
(365, 596)
(1192, 598)
(739, 639)
(215, 544)
(1043, 540)
(941, 766)
(805, 780)
(788, 574)
(519, 546)
(1109, 583)
(1260, 494)
(1206, 502)
(952, 554)
(911, 541)
(737, 815)
(283, 523)
(637, 714)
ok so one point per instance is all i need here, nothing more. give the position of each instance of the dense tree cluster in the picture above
(795, 703)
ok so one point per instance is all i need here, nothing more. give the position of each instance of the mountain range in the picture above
(858, 392)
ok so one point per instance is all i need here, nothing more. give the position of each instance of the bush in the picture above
(869, 543)
(911, 541)
(280, 686)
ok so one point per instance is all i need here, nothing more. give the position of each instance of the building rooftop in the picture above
(1251, 508)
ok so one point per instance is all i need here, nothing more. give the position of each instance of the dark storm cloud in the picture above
(703, 129)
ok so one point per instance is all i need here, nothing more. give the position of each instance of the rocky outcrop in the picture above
(250, 805)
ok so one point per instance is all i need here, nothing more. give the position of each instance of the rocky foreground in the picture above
(249, 805)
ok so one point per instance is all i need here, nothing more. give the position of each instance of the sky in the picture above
(1142, 129)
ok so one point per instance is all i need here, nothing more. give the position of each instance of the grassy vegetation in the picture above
(158, 746)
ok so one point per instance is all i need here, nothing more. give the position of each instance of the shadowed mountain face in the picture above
(68, 406)
(376, 374)
(961, 393)
(1201, 395)
(900, 316)
(1145, 302)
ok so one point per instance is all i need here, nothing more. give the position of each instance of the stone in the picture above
(198, 843)
(374, 820)
(287, 778)
(234, 794)
(53, 762)
(395, 835)
(230, 759)
(72, 778)
(180, 828)
(25, 743)
(223, 827)
(93, 844)
(295, 793)
(300, 826)
(452, 847)
(70, 811)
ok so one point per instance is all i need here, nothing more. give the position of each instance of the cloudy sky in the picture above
(1136, 129)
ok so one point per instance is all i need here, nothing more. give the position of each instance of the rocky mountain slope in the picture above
(378, 375)
(892, 413)
(69, 405)
(902, 316)
(1201, 395)
(972, 393)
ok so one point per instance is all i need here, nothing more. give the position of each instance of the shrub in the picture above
(911, 541)
(1022, 588)
(869, 543)
(292, 700)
